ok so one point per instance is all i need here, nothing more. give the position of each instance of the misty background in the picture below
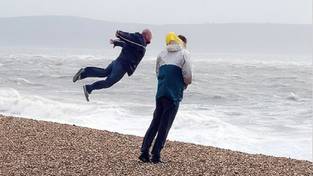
(77, 32)
(224, 26)
(168, 12)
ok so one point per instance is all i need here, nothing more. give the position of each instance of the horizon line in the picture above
(107, 21)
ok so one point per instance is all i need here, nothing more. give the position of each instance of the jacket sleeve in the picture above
(125, 36)
(186, 69)
(157, 66)
(118, 43)
(130, 38)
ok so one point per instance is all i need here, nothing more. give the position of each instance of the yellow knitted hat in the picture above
(171, 36)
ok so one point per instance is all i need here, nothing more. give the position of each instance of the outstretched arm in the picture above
(117, 42)
(124, 35)
(129, 38)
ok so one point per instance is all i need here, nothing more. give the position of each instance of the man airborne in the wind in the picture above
(133, 49)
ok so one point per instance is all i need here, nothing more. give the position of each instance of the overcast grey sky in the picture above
(167, 12)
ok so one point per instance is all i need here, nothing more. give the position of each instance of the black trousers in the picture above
(163, 117)
(114, 73)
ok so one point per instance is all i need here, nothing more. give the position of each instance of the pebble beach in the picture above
(31, 147)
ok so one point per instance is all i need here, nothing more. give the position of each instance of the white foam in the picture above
(98, 115)
(257, 60)
(293, 97)
(23, 81)
(207, 127)
(13, 103)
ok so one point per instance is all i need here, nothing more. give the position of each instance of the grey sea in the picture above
(244, 102)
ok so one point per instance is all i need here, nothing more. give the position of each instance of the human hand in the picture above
(116, 34)
(112, 42)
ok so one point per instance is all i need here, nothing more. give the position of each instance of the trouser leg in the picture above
(167, 118)
(96, 72)
(153, 128)
(115, 75)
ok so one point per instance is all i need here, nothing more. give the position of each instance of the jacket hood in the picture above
(173, 48)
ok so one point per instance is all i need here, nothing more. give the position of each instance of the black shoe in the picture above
(86, 92)
(144, 157)
(77, 76)
(156, 159)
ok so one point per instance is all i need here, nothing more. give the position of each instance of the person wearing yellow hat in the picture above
(173, 70)
(172, 37)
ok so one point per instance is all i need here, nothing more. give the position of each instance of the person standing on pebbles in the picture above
(173, 70)
(133, 50)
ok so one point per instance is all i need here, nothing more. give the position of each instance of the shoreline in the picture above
(35, 147)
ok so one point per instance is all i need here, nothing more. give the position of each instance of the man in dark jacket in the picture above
(133, 49)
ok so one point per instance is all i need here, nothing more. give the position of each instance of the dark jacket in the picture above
(133, 49)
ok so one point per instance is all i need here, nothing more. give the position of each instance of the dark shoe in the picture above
(156, 159)
(77, 76)
(86, 93)
(144, 157)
